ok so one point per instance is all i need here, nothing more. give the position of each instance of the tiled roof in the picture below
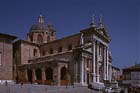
(136, 66)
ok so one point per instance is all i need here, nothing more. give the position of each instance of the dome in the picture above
(39, 26)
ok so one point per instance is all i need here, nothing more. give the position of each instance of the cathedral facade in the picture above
(81, 58)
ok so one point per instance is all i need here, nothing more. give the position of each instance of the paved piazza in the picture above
(28, 88)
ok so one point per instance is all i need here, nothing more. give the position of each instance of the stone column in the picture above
(107, 64)
(43, 75)
(105, 57)
(93, 60)
(85, 70)
(82, 71)
(97, 64)
(33, 75)
(58, 76)
(55, 75)
(26, 75)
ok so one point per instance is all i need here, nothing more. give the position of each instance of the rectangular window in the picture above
(69, 47)
(51, 50)
(60, 49)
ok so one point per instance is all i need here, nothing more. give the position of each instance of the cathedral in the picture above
(81, 58)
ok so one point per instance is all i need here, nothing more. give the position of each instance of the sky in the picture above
(121, 17)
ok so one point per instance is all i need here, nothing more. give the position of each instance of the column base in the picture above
(8, 81)
(94, 77)
(98, 78)
(80, 84)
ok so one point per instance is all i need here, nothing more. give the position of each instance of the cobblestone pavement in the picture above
(28, 88)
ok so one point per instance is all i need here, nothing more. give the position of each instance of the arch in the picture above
(39, 38)
(35, 52)
(49, 73)
(64, 73)
(29, 74)
(38, 74)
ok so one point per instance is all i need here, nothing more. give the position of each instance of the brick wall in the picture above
(64, 43)
(6, 51)
(27, 52)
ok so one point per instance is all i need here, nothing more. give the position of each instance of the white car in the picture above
(96, 86)
(109, 90)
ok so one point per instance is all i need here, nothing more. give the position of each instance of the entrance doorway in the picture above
(49, 73)
(38, 74)
(29, 73)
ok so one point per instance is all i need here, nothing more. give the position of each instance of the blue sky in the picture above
(121, 17)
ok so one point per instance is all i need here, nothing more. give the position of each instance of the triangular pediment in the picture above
(103, 32)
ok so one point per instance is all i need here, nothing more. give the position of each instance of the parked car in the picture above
(117, 90)
(96, 86)
(108, 90)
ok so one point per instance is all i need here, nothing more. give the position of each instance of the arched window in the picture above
(40, 38)
(48, 39)
(35, 52)
(52, 33)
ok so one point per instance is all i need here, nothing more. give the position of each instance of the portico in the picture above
(50, 73)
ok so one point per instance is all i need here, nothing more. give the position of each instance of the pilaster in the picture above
(97, 63)
(26, 76)
(43, 74)
(107, 65)
(105, 57)
(33, 75)
(58, 76)
(82, 71)
(93, 60)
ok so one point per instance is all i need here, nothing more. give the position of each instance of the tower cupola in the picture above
(41, 19)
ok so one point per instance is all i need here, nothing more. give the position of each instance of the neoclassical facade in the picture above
(77, 59)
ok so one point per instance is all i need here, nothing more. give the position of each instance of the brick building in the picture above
(80, 58)
(116, 73)
(6, 57)
(131, 75)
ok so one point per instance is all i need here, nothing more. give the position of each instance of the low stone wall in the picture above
(30, 88)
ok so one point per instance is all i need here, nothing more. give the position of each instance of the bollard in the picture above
(21, 85)
(6, 83)
(73, 85)
(66, 86)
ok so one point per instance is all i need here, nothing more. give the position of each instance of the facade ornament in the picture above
(101, 25)
(82, 39)
(92, 24)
